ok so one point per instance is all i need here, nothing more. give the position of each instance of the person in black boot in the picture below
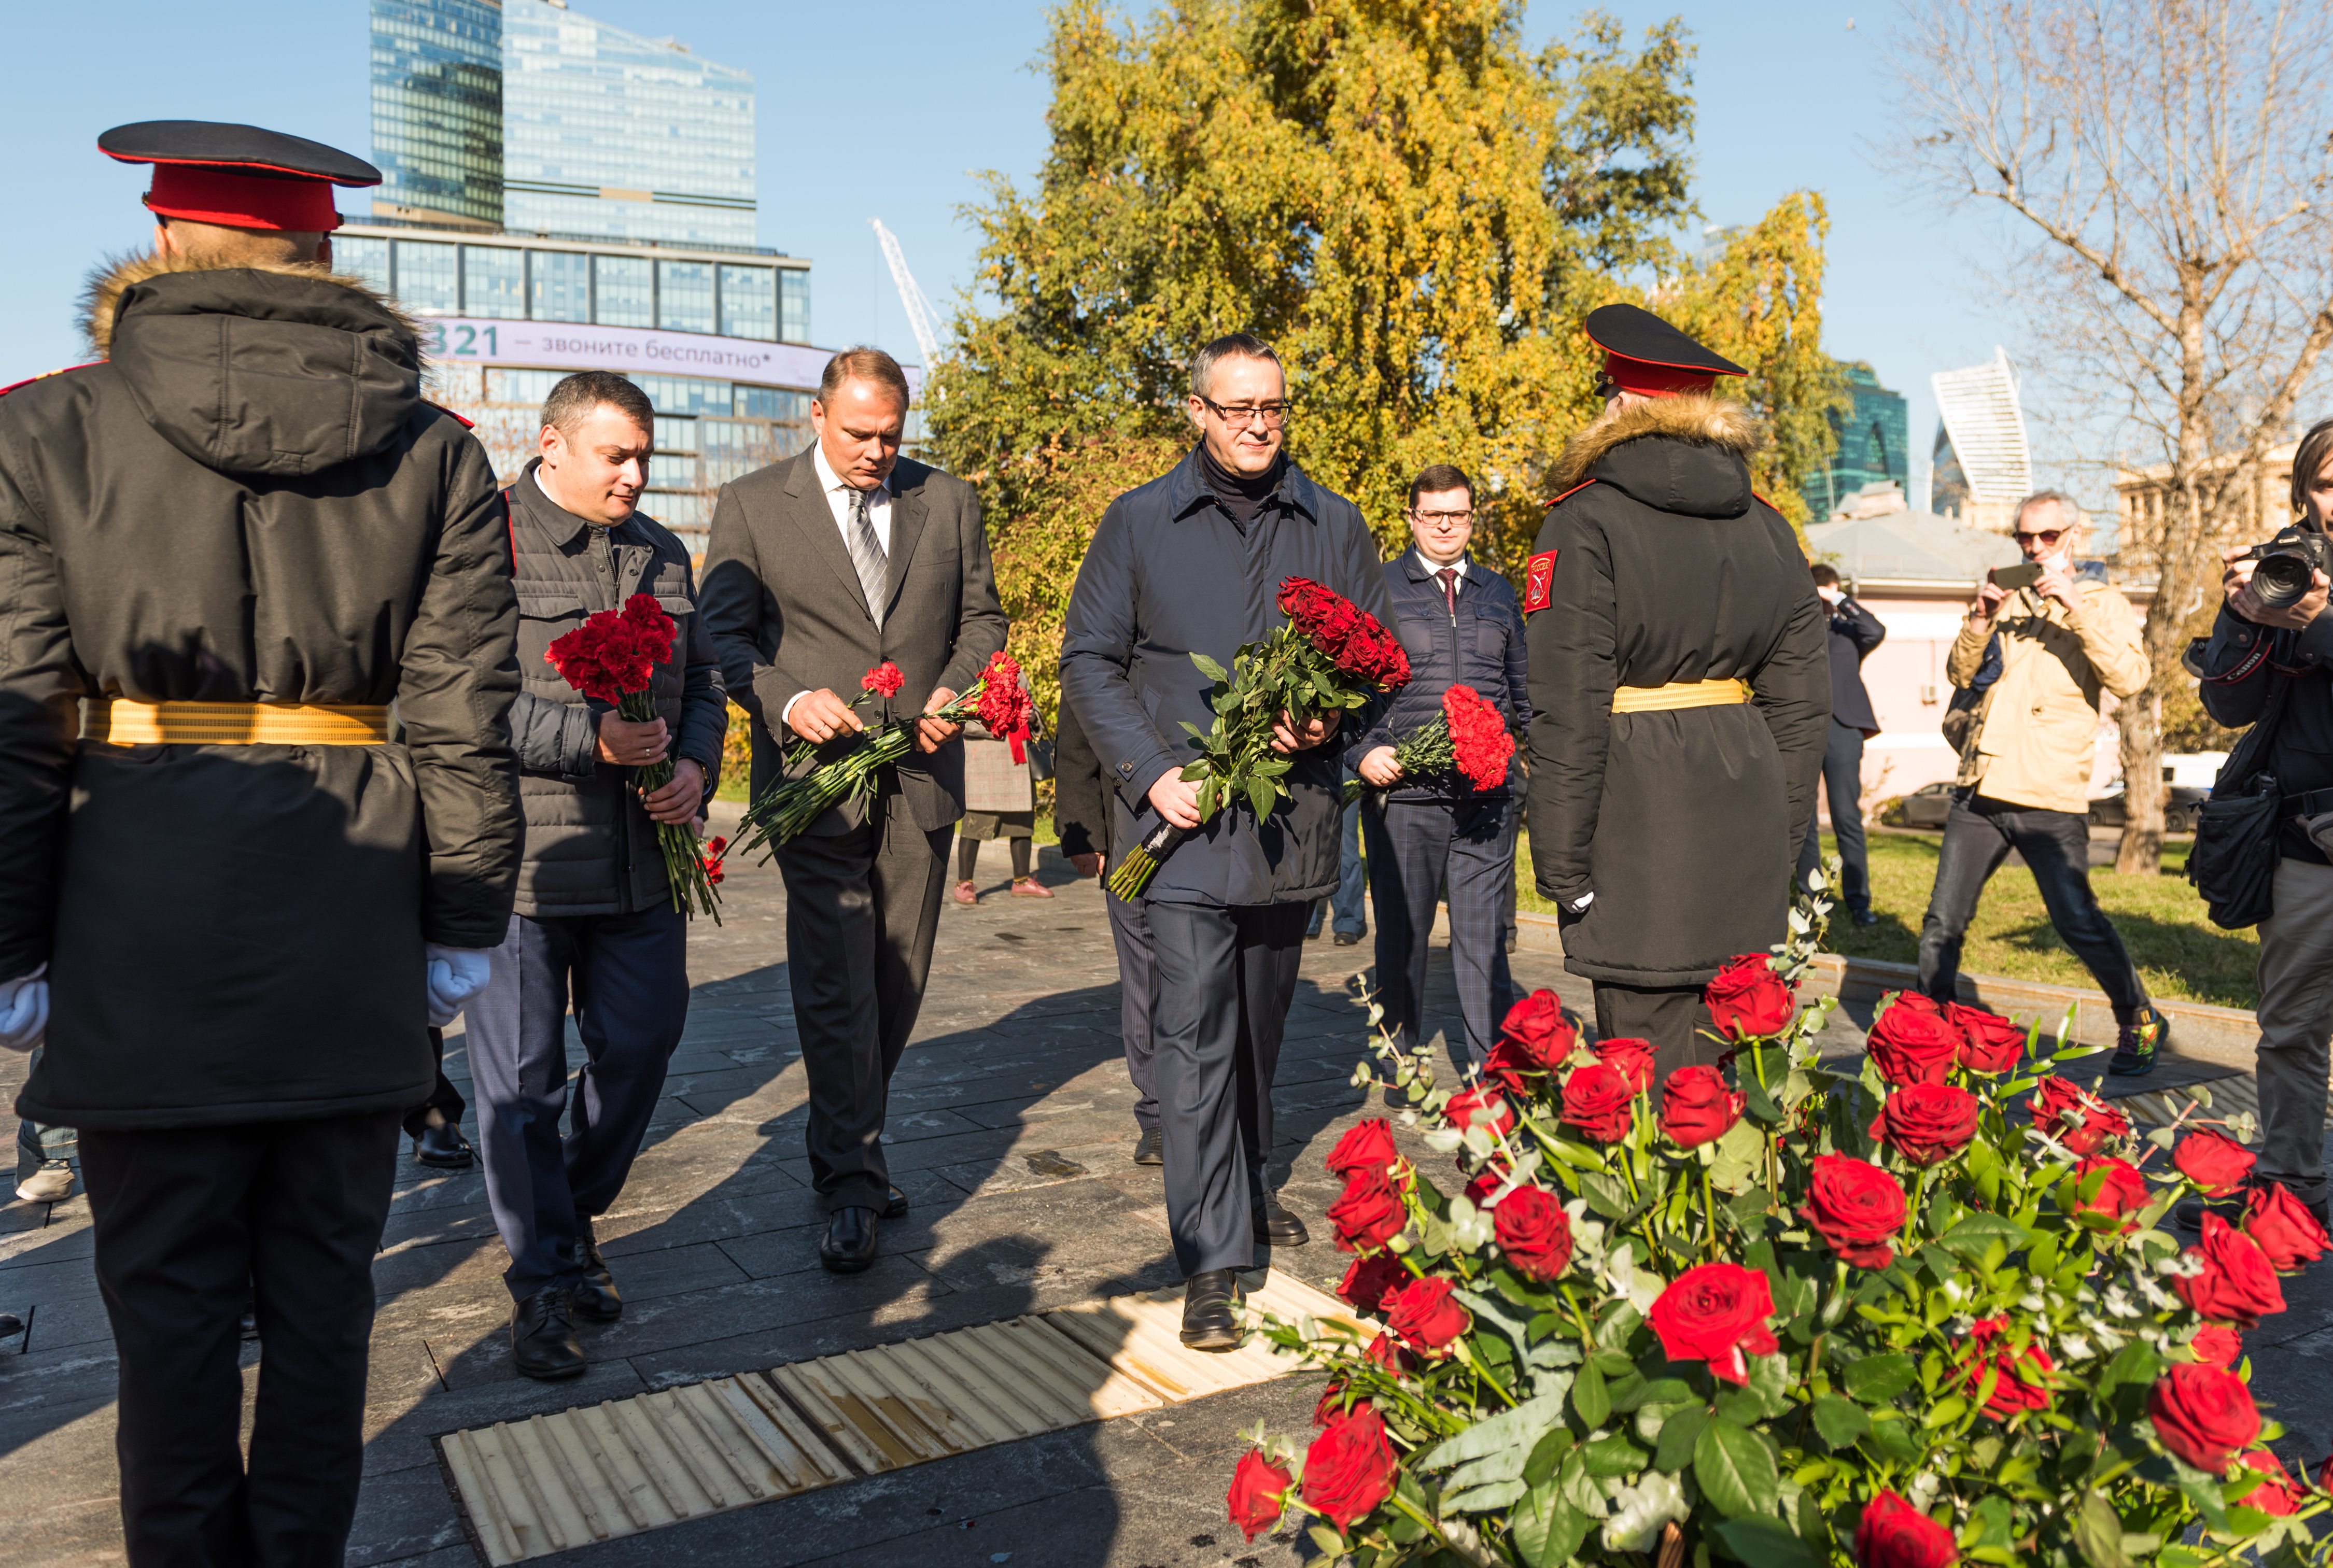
(1854, 632)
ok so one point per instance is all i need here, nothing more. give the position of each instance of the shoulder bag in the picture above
(2232, 863)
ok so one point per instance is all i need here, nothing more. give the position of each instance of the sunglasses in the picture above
(2045, 538)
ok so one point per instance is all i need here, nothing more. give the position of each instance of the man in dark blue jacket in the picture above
(1190, 563)
(1461, 625)
(1853, 632)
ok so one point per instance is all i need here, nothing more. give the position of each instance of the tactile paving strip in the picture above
(624, 1466)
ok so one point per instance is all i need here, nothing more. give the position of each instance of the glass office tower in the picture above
(437, 111)
(1873, 445)
(610, 134)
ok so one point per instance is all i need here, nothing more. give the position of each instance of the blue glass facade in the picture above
(606, 132)
(1874, 445)
(438, 109)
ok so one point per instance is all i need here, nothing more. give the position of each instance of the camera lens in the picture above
(2280, 580)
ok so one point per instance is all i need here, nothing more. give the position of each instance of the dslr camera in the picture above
(2287, 565)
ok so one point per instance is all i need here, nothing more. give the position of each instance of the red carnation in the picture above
(1478, 737)
(884, 680)
(1004, 707)
(1368, 1280)
(1534, 1232)
(1993, 1043)
(1909, 1046)
(1259, 1492)
(2202, 1414)
(2237, 1284)
(1748, 998)
(2058, 1103)
(2213, 1161)
(1369, 1214)
(2217, 1345)
(1426, 1314)
(1895, 1534)
(2280, 1496)
(2017, 1387)
(2120, 1192)
(1697, 1107)
(1633, 1058)
(1927, 1123)
(1856, 1207)
(1712, 1312)
(1596, 1100)
(1349, 1470)
(2284, 1228)
(1481, 1107)
(714, 850)
(1367, 1147)
(1539, 1029)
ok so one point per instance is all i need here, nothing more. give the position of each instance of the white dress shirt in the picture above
(838, 501)
(1458, 565)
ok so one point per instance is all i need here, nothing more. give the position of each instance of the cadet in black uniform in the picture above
(1680, 691)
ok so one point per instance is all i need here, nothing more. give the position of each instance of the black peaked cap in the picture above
(1638, 334)
(241, 148)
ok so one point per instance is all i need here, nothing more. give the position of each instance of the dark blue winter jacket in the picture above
(1481, 646)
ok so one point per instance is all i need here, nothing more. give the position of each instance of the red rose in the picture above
(1485, 1182)
(2213, 1161)
(1712, 1312)
(1595, 1101)
(1895, 1534)
(1369, 1214)
(1367, 1147)
(1368, 1280)
(1479, 741)
(1508, 1067)
(2121, 1190)
(1481, 1107)
(1696, 1106)
(1534, 1232)
(1855, 1207)
(2202, 1414)
(1909, 1046)
(2283, 1229)
(1424, 1314)
(2016, 1387)
(1920, 1002)
(2238, 1285)
(1258, 1491)
(1537, 1027)
(1747, 998)
(1927, 1123)
(2056, 1106)
(1633, 1058)
(2217, 1345)
(1349, 1470)
(1993, 1043)
(2280, 1496)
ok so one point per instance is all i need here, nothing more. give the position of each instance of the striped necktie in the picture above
(867, 556)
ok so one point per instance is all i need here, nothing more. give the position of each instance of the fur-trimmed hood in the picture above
(283, 369)
(1683, 454)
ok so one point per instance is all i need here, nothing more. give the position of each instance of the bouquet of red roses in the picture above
(610, 658)
(1331, 654)
(1469, 738)
(790, 805)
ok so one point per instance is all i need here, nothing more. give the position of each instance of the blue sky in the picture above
(894, 114)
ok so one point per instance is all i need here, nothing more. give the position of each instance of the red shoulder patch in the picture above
(1538, 580)
(1575, 490)
(45, 375)
(466, 423)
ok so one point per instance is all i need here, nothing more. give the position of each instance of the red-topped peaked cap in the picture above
(239, 176)
(1644, 355)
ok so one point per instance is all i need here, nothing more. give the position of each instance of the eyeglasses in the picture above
(1274, 414)
(2045, 539)
(1454, 519)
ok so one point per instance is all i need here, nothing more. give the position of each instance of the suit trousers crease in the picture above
(1137, 991)
(862, 911)
(627, 979)
(187, 1220)
(2296, 1025)
(1227, 977)
(1414, 850)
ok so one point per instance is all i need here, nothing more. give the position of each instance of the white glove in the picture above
(455, 975)
(25, 1010)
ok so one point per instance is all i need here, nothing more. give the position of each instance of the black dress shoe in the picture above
(1150, 1149)
(1276, 1225)
(1210, 1314)
(849, 1245)
(597, 1299)
(1865, 917)
(543, 1335)
(896, 1209)
(441, 1148)
(1349, 938)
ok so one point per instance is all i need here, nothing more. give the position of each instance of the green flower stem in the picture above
(1466, 1350)
(1708, 1212)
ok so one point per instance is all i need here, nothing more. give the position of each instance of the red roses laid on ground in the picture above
(1714, 1313)
(1856, 1207)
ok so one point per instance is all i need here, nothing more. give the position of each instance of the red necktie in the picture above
(1449, 576)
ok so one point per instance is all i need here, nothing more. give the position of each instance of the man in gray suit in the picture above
(822, 566)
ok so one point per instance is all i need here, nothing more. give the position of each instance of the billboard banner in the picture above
(564, 346)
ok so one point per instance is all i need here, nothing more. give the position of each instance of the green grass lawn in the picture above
(2179, 951)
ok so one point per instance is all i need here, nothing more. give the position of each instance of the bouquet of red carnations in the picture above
(1331, 656)
(1469, 738)
(790, 805)
(610, 658)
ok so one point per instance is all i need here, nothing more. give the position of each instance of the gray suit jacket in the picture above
(787, 614)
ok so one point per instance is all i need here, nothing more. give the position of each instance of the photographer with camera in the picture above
(2061, 635)
(2265, 664)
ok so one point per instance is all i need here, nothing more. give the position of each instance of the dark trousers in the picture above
(1415, 848)
(1843, 783)
(1138, 989)
(444, 1098)
(1344, 906)
(1979, 833)
(863, 908)
(626, 977)
(187, 1221)
(1674, 1021)
(1225, 978)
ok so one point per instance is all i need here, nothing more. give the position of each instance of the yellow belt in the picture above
(127, 724)
(1680, 694)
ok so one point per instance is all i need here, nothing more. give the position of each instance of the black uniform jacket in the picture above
(247, 501)
(1685, 823)
(1170, 573)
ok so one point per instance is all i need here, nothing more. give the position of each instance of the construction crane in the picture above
(923, 316)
